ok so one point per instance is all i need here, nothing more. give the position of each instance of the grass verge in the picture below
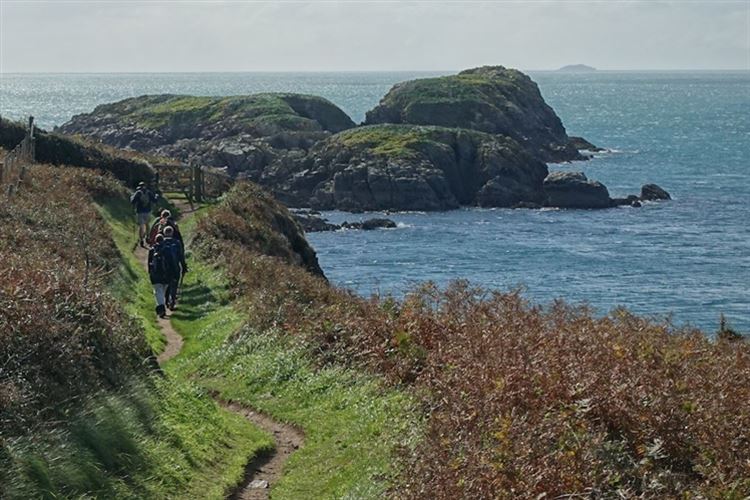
(353, 423)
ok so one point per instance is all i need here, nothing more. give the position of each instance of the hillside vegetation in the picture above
(83, 411)
(520, 400)
(447, 393)
(55, 149)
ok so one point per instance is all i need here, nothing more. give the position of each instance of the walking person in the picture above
(162, 267)
(177, 253)
(165, 220)
(143, 200)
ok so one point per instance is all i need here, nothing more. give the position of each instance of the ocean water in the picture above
(688, 132)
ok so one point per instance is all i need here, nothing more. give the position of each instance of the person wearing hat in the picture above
(143, 200)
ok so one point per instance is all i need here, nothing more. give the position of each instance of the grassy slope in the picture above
(155, 437)
(352, 422)
(226, 441)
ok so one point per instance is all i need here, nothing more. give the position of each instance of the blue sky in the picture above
(101, 36)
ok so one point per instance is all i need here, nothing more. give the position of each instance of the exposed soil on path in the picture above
(266, 469)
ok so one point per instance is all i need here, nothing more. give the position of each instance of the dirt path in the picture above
(266, 469)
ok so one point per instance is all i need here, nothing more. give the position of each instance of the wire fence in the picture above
(15, 164)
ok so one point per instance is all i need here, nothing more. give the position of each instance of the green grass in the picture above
(131, 285)
(159, 111)
(352, 422)
(161, 438)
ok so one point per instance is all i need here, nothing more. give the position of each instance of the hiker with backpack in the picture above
(177, 252)
(143, 200)
(164, 220)
(162, 270)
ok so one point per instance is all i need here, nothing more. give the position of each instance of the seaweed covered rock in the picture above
(490, 99)
(408, 167)
(242, 133)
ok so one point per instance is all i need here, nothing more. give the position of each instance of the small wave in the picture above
(402, 225)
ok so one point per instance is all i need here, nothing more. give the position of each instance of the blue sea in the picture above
(689, 132)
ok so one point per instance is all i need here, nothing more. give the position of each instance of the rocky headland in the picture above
(478, 138)
(243, 134)
(491, 99)
(409, 167)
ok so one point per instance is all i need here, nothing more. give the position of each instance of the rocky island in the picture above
(577, 68)
(481, 137)
(491, 99)
(242, 133)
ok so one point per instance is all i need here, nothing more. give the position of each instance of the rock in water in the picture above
(574, 190)
(370, 224)
(407, 167)
(651, 192)
(491, 99)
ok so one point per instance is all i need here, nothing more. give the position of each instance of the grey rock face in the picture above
(415, 168)
(574, 190)
(651, 192)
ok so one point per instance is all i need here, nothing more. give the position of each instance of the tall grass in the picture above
(522, 400)
(83, 413)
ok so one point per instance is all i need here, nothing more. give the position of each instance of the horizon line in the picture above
(555, 70)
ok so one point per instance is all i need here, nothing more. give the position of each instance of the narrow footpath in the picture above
(266, 469)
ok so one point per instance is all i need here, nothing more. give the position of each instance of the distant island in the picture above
(579, 68)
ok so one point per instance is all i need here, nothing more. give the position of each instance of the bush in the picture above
(61, 335)
(522, 400)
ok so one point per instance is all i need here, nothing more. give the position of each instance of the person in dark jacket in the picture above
(164, 220)
(162, 269)
(143, 200)
(175, 248)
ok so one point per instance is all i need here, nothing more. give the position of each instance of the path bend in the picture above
(265, 470)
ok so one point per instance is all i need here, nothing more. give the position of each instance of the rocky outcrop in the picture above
(242, 133)
(582, 144)
(490, 99)
(406, 167)
(574, 190)
(316, 224)
(652, 192)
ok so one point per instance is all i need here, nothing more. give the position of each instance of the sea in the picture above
(687, 260)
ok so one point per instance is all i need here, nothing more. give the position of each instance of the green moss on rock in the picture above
(490, 99)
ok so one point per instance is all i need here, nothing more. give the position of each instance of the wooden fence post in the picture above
(32, 140)
(198, 183)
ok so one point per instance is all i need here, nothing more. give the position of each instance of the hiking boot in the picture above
(161, 311)
(142, 243)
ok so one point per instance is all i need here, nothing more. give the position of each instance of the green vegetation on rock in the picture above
(490, 99)
(288, 111)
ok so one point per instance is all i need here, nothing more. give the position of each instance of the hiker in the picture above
(142, 200)
(177, 252)
(162, 269)
(165, 220)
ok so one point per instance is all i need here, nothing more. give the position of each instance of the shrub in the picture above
(522, 400)
(61, 335)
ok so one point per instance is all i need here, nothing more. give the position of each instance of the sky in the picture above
(166, 36)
